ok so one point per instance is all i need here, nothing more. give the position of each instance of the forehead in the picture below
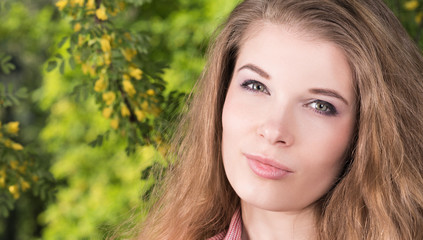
(295, 54)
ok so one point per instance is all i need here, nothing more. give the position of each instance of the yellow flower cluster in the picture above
(77, 2)
(122, 97)
(61, 4)
(140, 115)
(20, 183)
(114, 123)
(11, 128)
(109, 97)
(419, 17)
(88, 69)
(100, 84)
(107, 112)
(90, 5)
(129, 53)
(135, 72)
(101, 13)
(128, 88)
(77, 27)
(105, 43)
(3, 177)
(124, 111)
(411, 5)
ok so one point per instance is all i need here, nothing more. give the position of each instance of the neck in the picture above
(270, 225)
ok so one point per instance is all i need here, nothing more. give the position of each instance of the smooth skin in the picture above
(288, 119)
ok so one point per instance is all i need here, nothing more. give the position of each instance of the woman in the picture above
(306, 124)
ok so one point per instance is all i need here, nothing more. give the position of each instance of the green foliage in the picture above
(5, 64)
(10, 97)
(121, 73)
(410, 13)
(24, 175)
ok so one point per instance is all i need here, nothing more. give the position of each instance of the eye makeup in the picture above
(254, 86)
(322, 107)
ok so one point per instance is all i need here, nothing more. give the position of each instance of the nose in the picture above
(277, 128)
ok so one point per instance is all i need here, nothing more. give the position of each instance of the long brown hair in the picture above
(380, 195)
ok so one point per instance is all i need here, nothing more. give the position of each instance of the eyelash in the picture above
(246, 85)
(330, 109)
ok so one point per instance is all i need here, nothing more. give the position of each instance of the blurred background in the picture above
(88, 93)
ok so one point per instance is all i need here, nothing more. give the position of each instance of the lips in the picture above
(266, 167)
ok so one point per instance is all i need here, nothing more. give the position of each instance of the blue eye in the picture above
(255, 86)
(323, 107)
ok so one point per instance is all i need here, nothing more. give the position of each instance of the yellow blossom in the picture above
(105, 43)
(127, 35)
(100, 61)
(12, 127)
(150, 92)
(129, 53)
(126, 77)
(88, 69)
(129, 88)
(113, 12)
(140, 115)
(411, 5)
(100, 84)
(79, 2)
(144, 105)
(114, 123)
(25, 185)
(2, 181)
(107, 59)
(14, 164)
(124, 111)
(122, 5)
(156, 111)
(107, 112)
(35, 178)
(109, 97)
(77, 27)
(419, 17)
(101, 13)
(78, 58)
(17, 146)
(90, 4)
(81, 40)
(14, 190)
(22, 169)
(61, 4)
(135, 73)
(8, 143)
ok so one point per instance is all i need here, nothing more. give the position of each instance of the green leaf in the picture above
(6, 59)
(62, 42)
(51, 65)
(72, 62)
(62, 67)
(22, 93)
(58, 55)
(97, 142)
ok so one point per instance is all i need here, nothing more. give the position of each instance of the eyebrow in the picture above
(256, 69)
(328, 92)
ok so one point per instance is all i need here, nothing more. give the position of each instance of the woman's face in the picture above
(288, 119)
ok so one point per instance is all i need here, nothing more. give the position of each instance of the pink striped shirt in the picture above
(234, 231)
